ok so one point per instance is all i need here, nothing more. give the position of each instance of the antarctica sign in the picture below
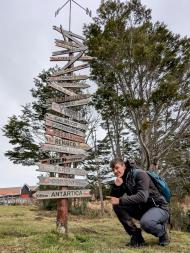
(62, 194)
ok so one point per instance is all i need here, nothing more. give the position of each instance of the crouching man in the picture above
(137, 197)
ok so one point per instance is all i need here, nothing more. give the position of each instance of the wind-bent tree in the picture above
(145, 69)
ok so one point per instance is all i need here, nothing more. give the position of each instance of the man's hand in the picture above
(114, 201)
(118, 181)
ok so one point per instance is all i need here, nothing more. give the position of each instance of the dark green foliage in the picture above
(143, 76)
(26, 131)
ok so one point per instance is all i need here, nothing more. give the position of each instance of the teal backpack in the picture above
(159, 182)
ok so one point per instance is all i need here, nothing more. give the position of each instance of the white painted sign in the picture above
(58, 85)
(77, 103)
(68, 98)
(64, 159)
(62, 149)
(83, 66)
(63, 58)
(62, 142)
(66, 121)
(64, 90)
(61, 134)
(61, 169)
(60, 194)
(62, 181)
(63, 127)
(68, 51)
(67, 112)
(67, 78)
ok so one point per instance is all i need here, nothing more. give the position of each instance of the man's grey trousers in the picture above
(152, 220)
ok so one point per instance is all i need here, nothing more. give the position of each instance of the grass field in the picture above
(27, 230)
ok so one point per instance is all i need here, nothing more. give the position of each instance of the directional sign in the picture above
(64, 33)
(73, 59)
(69, 98)
(67, 44)
(67, 78)
(64, 159)
(63, 181)
(75, 35)
(61, 169)
(62, 149)
(83, 66)
(62, 194)
(63, 127)
(65, 91)
(61, 142)
(66, 121)
(61, 134)
(68, 51)
(58, 86)
(67, 112)
(63, 58)
(77, 103)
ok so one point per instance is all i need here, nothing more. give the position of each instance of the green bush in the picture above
(180, 220)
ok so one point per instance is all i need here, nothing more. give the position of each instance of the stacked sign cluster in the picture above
(64, 122)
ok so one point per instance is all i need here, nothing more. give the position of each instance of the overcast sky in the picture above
(27, 41)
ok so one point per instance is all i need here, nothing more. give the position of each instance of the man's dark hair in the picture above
(116, 161)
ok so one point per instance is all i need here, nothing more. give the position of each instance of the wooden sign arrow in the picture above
(58, 86)
(77, 103)
(75, 35)
(64, 159)
(61, 142)
(63, 127)
(63, 181)
(62, 149)
(63, 58)
(62, 194)
(83, 66)
(68, 51)
(69, 98)
(67, 35)
(69, 85)
(67, 44)
(65, 91)
(61, 134)
(65, 121)
(67, 112)
(73, 59)
(61, 170)
(67, 78)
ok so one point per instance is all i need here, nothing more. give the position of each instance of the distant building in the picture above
(17, 195)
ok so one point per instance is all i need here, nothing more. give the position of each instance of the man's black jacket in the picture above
(138, 190)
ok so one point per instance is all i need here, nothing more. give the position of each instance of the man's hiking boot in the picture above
(136, 240)
(164, 239)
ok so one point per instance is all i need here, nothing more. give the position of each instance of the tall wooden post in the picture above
(65, 127)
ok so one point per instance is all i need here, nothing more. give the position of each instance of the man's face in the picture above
(119, 169)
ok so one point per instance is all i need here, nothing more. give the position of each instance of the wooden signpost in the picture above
(65, 121)
(64, 135)
(67, 78)
(57, 181)
(61, 142)
(64, 159)
(64, 127)
(62, 149)
(63, 58)
(77, 103)
(58, 86)
(67, 99)
(61, 170)
(67, 112)
(62, 194)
